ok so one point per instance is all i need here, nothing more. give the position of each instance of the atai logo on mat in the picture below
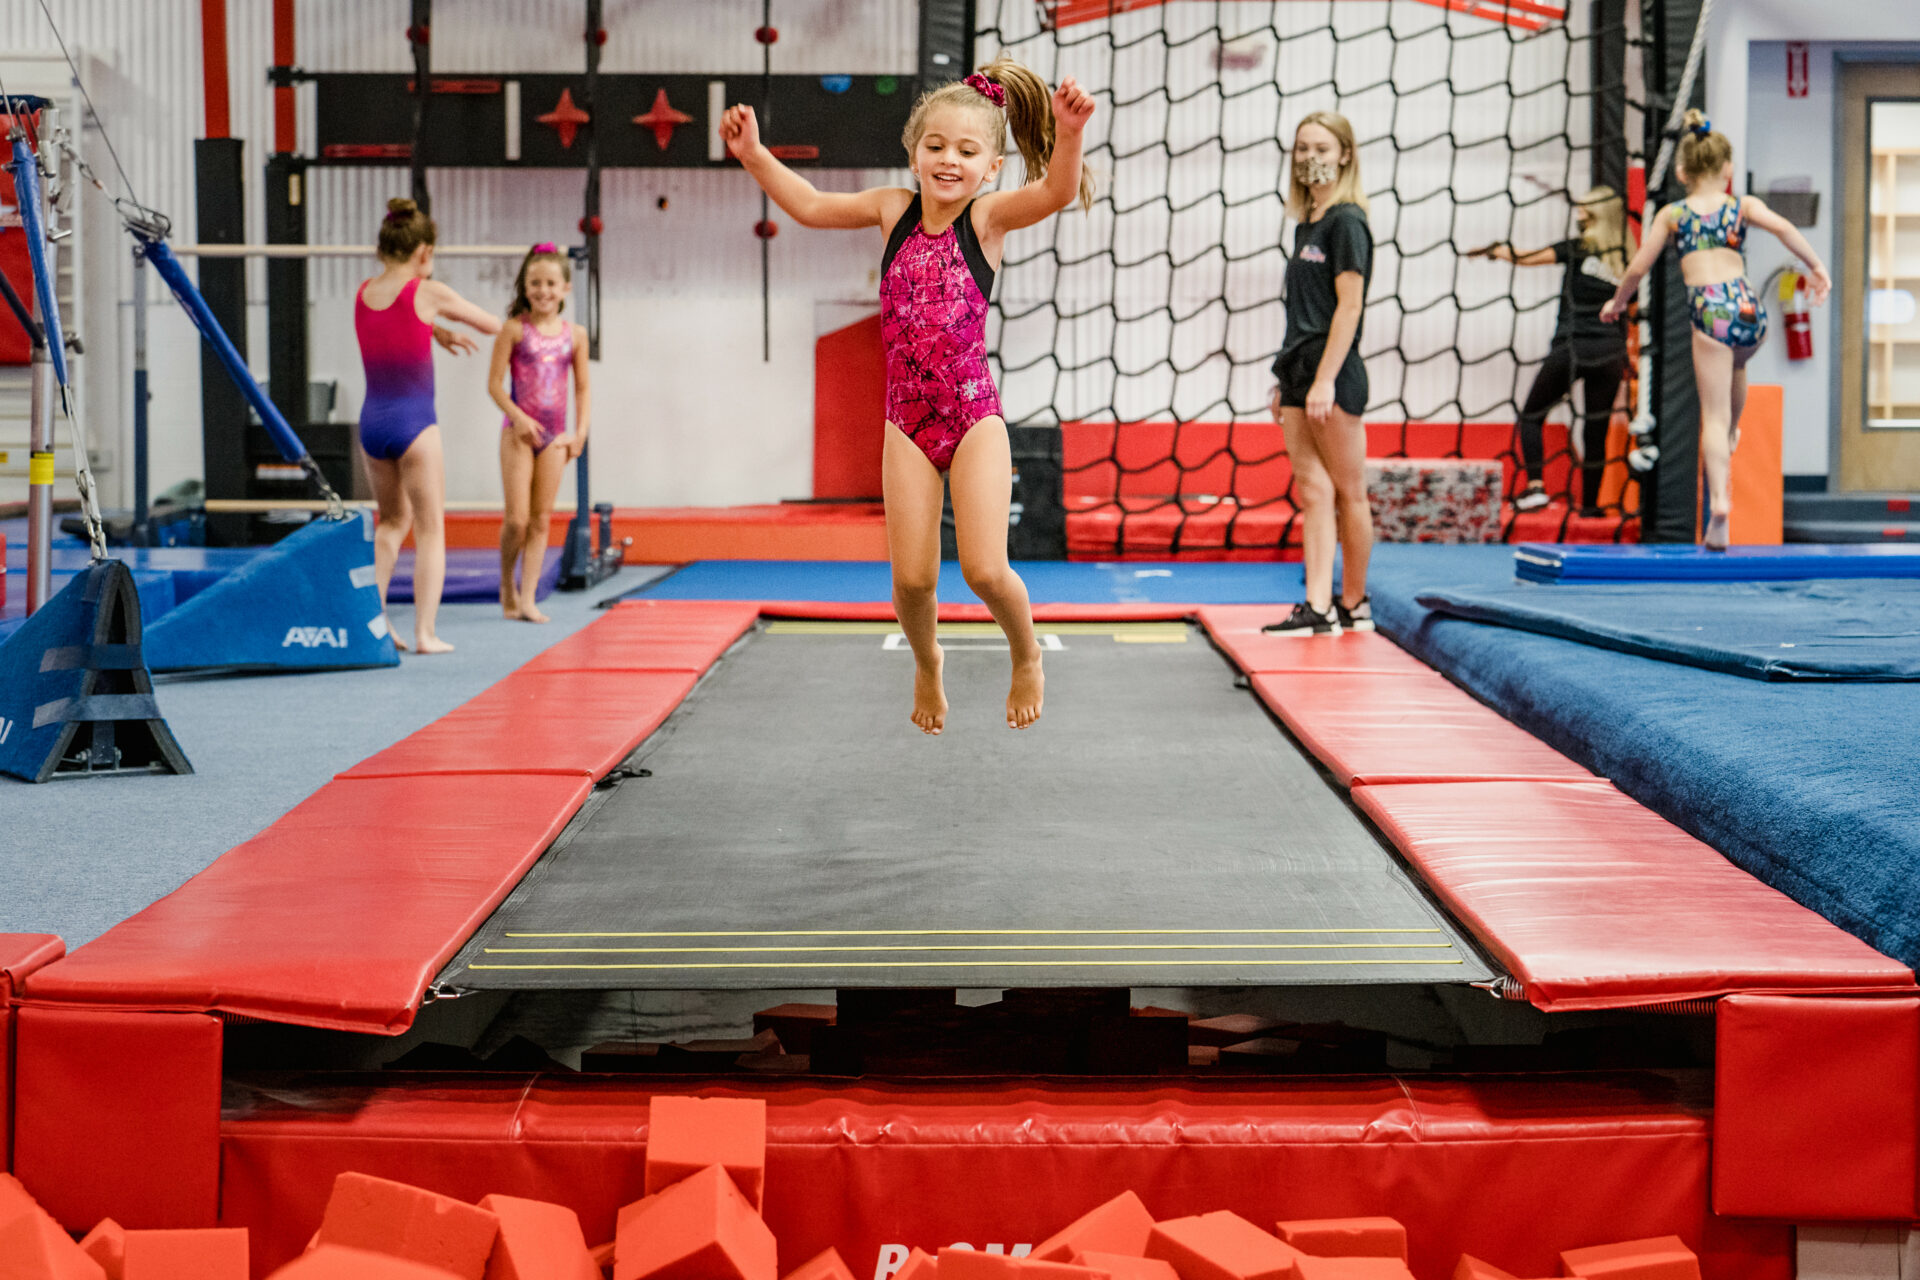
(315, 638)
(894, 1256)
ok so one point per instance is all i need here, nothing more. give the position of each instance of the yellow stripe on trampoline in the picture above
(964, 933)
(969, 964)
(1022, 946)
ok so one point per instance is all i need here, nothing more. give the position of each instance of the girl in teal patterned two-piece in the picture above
(1709, 228)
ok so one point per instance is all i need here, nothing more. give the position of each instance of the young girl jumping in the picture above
(393, 317)
(1710, 229)
(944, 245)
(542, 352)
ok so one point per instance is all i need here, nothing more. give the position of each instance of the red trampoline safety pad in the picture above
(337, 915)
(864, 1166)
(1236, 629)
(652, 635)
(1373, 727)
(1593, 901)
(20, 955)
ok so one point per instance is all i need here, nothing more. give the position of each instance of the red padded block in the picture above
(700, 1228)
(686, 1135)
(1347, 1237)
(1222, 1246)
(674, 635)
(1815, 1116)
(972, 1264)
(337, 915)
(1313, 1267)
(1121, 1225)
(537, 1241)
(1122, 1266)
(1373, 727)
(583, 722)
(206, 1253)
(33, 1247)
(1236, 629)
(332, 1262)
(106, 1244)
(408, 1222)
(1472, 1268)
(1661, 1258)
(20, 955)
(118, 1115)
(919, 1265)
(825, 1265)
(1593, 901)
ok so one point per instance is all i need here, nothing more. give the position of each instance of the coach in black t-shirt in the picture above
(1585, 348)
(1322, 387)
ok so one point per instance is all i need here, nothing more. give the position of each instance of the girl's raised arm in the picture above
(1532, 258)
(1072, 107)
(1755, 210)
(445, 302)
(797, 197)
(1642, 263)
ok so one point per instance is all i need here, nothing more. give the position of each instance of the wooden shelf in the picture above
(1893, 262)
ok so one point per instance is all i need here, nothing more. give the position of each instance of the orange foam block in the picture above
(1313, 1267)
(209, 1253)
(826, 1265)
(1222, 1246)
(1120, 1266)
(920, 1265)
(408, 1222)
(1346, 1237)
(106, 1244)
(700, 1228)
(1121, 1225)
(1661, 1258)
(15, 1200)
(1472, 1268)
(337, 1262)
(685, 1135)
(33, 1247)
(538, 1241)
(971, 1264)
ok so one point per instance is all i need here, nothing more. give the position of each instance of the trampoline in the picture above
(787, 827)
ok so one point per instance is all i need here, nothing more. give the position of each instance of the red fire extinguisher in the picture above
(1799, 324)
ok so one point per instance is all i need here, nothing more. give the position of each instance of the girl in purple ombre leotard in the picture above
(541, 352)
(945, 427)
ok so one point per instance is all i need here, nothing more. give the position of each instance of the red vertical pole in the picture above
(285, 135)
(213, 62)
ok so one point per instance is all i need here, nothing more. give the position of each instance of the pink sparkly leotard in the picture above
(933, 321)
(542, 367)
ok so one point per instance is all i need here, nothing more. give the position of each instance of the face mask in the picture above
(1314, 172)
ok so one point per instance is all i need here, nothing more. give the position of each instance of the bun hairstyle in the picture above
(1347, 188)
(1025, 108)
(404, 230)
(1703, 152)
(543, 252)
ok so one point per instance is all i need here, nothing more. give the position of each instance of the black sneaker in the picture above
(1305, 620)
(1532, 498)
(1358, 618)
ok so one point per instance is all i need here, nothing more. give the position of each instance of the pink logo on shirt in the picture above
(1313, 253)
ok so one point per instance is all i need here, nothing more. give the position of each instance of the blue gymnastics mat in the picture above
(1048, 582)
(1684, 562)
(1829, 629)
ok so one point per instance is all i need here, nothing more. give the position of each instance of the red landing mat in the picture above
(1593, 901)
(20, 955)
(652, 635)
(1236, 629)
(1508, 1170)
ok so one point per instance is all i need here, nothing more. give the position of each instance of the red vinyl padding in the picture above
(573, 722)
(1815, 1115)
(339, 914)
(861, 1166)
(1592, 900)
(1236, 629)
(20, 955)
(882, 611)
(1373, 727)
(119, 1116)
(652, 635)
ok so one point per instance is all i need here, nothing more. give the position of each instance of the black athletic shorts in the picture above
(1296, 369)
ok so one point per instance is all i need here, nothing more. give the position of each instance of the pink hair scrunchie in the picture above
(545, 246)
(987, 89)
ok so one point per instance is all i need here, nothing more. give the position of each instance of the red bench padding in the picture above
(652, 635)
(1814, 1108)
(119, 1116)
(859, 1166)
(1236, 629)
(20, 955)
(1369, 727)
(1593, 901)
(339, 914)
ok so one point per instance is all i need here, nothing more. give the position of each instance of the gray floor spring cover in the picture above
(1155, 828)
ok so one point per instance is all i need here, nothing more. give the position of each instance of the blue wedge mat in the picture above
(1840, 629)
(307, 602)
(1048, 582)
(1684, 562)
(1807, 785)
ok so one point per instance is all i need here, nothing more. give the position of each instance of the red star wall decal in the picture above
(662, 119)
(565, 119)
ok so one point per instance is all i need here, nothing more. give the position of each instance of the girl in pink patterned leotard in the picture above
(543, 353)
(944, 423)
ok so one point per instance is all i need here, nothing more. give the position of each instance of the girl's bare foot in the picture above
(509, 607)
(1026, 694)
(1717, 531)
(393, 635)
(530, 612)
(929, 697)
(430, 644)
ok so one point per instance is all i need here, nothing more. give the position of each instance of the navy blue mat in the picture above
(1683, 562)
(1048, 581)
(1845, 629)
(1808, 786)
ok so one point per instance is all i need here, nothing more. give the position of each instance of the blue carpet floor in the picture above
(1808, 786)
(1048, 581)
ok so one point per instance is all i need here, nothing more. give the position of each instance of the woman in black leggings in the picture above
(1585, 348)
